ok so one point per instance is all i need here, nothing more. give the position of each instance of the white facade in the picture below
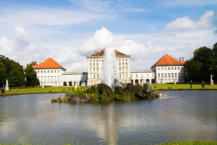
(95, 65)
(161, 73)
(50, 77)
(142, 77)
(169, 74)
(74, 79)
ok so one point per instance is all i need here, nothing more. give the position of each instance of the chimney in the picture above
(34, 63)
(182, 59)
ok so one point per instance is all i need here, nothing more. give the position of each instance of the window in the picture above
(165, 74)
(162, 75)
(168, 68)
(158, 74)
(168, 74)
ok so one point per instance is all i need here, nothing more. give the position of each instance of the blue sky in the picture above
(68, 30)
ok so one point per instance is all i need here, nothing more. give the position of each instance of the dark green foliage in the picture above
(14, 72)
(3, 74)
(104, 94)
(202, 65)
(31, 77)
(16, 78)
(104, 90)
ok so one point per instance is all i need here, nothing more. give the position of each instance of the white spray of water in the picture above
(109, 73)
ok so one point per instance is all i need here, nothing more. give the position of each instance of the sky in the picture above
(70, 30)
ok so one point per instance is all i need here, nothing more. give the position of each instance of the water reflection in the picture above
(184, 115)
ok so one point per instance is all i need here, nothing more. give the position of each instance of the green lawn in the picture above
(19, 91)
(38, 90)
(182, 87)
(192, 143)
(172, 143)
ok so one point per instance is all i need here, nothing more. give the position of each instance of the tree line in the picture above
(16, 75)
(202, 65)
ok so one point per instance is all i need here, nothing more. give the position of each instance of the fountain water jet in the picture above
(109, 72)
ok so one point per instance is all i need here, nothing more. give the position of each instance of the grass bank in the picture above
(169, 143)
(182, 87)
(191, 143)
(20, 91)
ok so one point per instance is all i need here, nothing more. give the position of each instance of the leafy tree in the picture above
(3, 74)
(215, 62)
(14, 72)
(202, 65)
(31, 76)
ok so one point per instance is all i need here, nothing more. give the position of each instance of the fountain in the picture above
(109, 72)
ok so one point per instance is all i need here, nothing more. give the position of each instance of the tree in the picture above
(215, 61)
(14, 72)
(3, 74)
(16, 78)
(202, 65)
(31, 77)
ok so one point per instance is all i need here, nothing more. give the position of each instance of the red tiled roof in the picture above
(101, 53)
(48, 63)
(167, 60)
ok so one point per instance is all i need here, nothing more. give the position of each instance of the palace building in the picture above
(49, 73)
(166, 70)
(95, 64)
(169, 70)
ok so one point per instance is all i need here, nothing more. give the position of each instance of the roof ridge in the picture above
(101, 52)
(48, 63)
(167, 60)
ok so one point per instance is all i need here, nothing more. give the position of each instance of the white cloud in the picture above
(47, 17)
(186, 23)
(103, 38)
(26, 43)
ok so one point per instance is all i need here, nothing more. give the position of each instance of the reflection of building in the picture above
(166, 70)
(95, 64)
(169, 70)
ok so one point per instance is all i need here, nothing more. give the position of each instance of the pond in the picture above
(178, 116)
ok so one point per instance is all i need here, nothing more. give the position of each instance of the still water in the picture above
(179, 116)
